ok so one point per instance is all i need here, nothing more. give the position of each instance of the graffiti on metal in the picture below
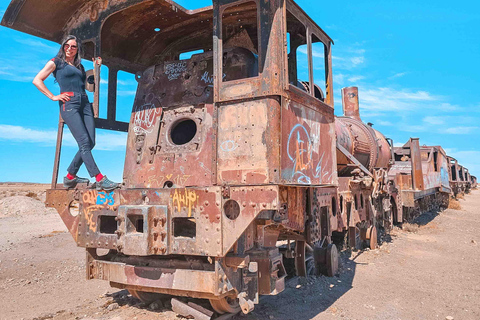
(94, 201)
(185, 199)
(229, 145)
(144, 118)
(300, 151)
(174, 69)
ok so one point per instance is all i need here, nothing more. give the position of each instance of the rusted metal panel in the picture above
(350, 103)
(435, 168)
(270, 263)
(248, 203)
(321, 219)
(143, 230)
(151, 277)
(97, 223)
(64, 202)
(307, 146)
(417, 175)
(248, 142)
(295, 201)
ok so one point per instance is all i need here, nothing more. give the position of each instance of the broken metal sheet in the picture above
(190, 310)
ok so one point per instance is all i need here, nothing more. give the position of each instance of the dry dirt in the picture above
(431, 271)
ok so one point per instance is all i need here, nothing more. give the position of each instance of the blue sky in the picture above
(416, 63)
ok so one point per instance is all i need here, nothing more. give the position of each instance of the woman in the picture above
(75, 110)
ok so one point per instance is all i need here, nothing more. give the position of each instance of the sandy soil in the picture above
(431, 271)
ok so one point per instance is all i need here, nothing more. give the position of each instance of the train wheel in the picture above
(147, 297)
(332, 260)
(225, 305)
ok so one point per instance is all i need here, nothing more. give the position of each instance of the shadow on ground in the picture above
(302, 299)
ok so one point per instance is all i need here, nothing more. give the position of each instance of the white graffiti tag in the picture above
(145, 116)
(175, 69)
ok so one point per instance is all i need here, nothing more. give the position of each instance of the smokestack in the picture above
(350, 103)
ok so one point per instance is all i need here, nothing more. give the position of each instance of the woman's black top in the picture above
(70, 78)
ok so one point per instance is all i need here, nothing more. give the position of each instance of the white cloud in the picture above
(349, 59)
(412, 128)
(356, 78)
(461, 130)
(339, 79)
(384, 123)
(398, 75)
(20, 68)
(357, 60)
(433, 120)
(37, 45)
(16, 77)
(389, 99)
(48, 137)
(447, 107)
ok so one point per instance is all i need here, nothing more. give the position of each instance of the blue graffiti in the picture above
(104, 197)
(318, 169)
(300, 137)
(229, 145)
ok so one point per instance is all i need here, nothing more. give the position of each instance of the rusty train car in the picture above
(237, 173)
(460, 178)
(381, 185)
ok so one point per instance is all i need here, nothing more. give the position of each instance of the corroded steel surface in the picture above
(307, 140)
(417, 174)
(366, 144)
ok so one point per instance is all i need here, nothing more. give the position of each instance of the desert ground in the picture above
(430, 269)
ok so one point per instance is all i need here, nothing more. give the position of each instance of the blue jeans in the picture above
(77, 113)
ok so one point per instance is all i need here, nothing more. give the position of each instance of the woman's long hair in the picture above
(77, 61)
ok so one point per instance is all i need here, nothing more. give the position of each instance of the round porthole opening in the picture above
(183, 132)
(231, 209)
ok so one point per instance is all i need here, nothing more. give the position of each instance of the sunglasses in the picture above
(67, 46)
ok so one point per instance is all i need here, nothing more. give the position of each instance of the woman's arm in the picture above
(39, 79)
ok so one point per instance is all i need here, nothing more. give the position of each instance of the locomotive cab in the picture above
(230, 168)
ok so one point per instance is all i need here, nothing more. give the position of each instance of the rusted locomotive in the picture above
(227, 153)
(381, 185)
(364, 157)
(237, 172)
(460, 179)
